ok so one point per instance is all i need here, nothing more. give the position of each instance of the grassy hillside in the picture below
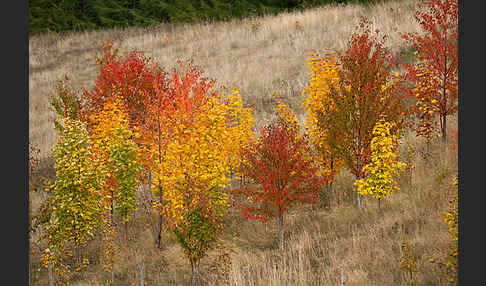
(260, 55)
(70, 15)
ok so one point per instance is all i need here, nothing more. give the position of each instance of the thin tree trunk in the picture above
(358, 168)
(343, 278)
(330, 196)
(78, 255)
(159, 235)
(77, 251)
(159, 231)
(112, 207)
(330, 184)
(280, 230)
(246, 279)
(379, 204)
(444, 128)
(444, 97)
(140, 263)
(126, 231)
(193, 278)
(427, 148)
(195, 273)
(49, 269)
(112, 274)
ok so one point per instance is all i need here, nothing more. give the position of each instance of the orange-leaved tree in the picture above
(114, 145)
(279, 172)
(134, 79)
(176, 97)
(363, 93)
(130, 76)
(197, 137)
(435, 74)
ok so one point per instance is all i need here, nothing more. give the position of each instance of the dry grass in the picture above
(320, 245)
(261, 55)
(258, 55)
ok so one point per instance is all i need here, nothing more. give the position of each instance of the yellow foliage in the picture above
(381, 172)
(323, 78)
(201, 150)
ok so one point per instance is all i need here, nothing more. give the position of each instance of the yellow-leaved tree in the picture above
(74, 209)
(113, 142)
(382, 171)
(203, 133)
(318, 104)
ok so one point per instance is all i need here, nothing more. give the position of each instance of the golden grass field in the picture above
(262, 55)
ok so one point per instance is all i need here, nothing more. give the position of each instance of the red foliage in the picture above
(366, 92)
(129, 77)
(282, 172)
(436, 73)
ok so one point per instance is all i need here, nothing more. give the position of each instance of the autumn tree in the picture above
(131, 76)
(134, 79)
(73, 211)
(197, 133)
(364, 93)
(113, 144)
(170, 103)
(435, 75)
(323, 73)
(65, 103)
(381, 173)
(280, 173)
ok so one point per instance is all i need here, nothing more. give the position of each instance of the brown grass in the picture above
(258, 55)
(261, 55)
(320, 245)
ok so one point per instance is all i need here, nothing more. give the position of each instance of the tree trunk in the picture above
(112, 207)
(444, 128)
(78, 255)
(159, 232)
(77, 252)
(379, 204)
(246, 280)
(126, 231)
(141, 271)
(358, 168)
(196, 281)
(329, 203)
(330, 186)
(427, 148)
(159, 235)
(112, 274)
(280, 230)
(343, 278)
(49, 269)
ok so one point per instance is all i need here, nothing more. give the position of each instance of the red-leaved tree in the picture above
(364, 92)
(280, 174)
(435, 74)
(130, 76)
